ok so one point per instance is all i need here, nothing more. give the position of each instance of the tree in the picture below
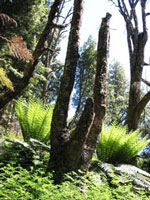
(29, 16)
(85, 74)
(136, 45)
(70, 152)
(39, 49)
(117, 94)
(117, 86)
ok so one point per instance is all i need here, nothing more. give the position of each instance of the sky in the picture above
(94, 11)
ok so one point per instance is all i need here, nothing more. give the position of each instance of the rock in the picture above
(125, 174)
(37, 145)
(22, 153)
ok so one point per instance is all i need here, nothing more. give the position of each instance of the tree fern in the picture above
(34, 119)
(116, 146)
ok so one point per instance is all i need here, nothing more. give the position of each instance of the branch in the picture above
(147, 14)
(60, 26)
(143, 5)
(146, 64)
(142, 104)
(52, 51)
(146, 82)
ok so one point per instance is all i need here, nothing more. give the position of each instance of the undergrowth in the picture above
(17, 183)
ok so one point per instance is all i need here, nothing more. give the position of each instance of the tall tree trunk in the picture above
(136, 45)
(60, 136)
(74, 151)
(136, 65)
(99, 93)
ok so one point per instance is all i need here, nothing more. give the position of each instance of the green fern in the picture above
(4, 80)
(116, 146)
(34, 119)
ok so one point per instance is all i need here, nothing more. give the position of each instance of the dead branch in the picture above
(146, 82)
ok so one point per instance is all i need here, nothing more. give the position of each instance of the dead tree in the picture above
(70, 152)
(136, 46)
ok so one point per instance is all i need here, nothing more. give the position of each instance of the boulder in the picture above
(18, 152)
(124, 174)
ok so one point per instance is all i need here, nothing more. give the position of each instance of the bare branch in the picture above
(146, 82)
(114, 3)
(143, 6)
(142, 104)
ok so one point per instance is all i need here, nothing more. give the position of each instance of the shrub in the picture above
(117, 146)
(34, 119)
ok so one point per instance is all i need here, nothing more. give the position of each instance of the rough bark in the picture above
(74, 151)
(126, 174)
(79, 136)
(59, 133)
(9, 95)
(136, 44)
(99, 93)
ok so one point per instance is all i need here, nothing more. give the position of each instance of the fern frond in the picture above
(4, 80)
(34, 119)
(5, 20)
(19, 49)
(117, 146)
(20, 110)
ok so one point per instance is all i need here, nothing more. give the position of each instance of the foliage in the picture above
(27, 155)
(31, 18)
(84, 81)
(34, 119)
(117, 85)
(18, 183)
(117, 146)
(19, 49)
(117, 94)
(4, 80)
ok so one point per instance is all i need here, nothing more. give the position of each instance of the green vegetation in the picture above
(117, 146)
(21, 184)
(37, 168)
(34, 119)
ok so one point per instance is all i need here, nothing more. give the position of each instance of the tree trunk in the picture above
(67, 149)
(99, 93)
(60, 136)
(136, 66)
(136, 45)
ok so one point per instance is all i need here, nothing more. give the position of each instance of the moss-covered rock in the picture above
(25, 154)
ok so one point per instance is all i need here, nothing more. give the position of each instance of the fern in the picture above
(19, 49)
(5, 20)
(116, 146)
(4, 80)
(34, 119)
